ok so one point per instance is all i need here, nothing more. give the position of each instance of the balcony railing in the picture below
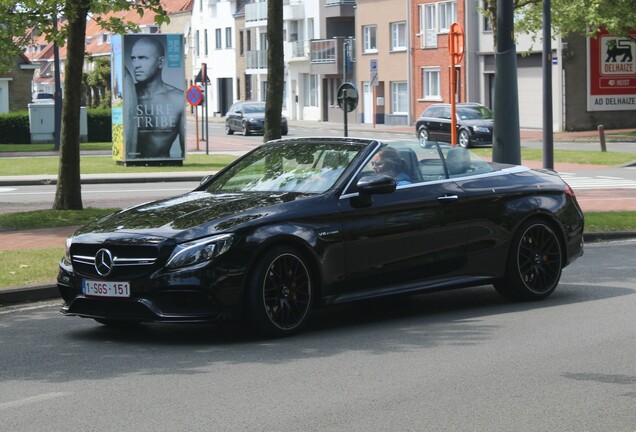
(330, 50)
(256, 11)
(339, 2)
(256, 59)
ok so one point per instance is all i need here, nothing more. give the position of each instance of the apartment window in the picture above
(430, 81)
(428, 25)
(399, 98)
(205, 42)
(486, 19)
(241, 43)
(228, 37)
(310, 90)
(219, 42)
(447, 15)
(370, 39)
(196, 43)
(398, 36)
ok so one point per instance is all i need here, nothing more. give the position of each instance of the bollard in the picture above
(601, 134)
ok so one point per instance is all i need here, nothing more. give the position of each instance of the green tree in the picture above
(275, 70)
(569, 16)
(98, 82)
(20, 20)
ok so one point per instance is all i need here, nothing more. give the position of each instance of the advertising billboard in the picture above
(148, 105)
(611, 73)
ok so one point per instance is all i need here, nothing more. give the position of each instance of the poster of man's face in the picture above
(154, 97)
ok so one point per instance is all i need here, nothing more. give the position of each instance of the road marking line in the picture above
(32, 400)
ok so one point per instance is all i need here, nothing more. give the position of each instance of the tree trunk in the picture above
(68, 195)
(275, 70)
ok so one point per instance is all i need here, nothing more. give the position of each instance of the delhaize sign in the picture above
(611, 73)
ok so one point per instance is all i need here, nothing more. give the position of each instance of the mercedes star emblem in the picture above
(103, 262)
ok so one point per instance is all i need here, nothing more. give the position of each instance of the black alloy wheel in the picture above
(246, 131)
(534, 265)
(228, 129)
(281, 293)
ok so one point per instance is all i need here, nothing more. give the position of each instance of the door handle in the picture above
(447, 198)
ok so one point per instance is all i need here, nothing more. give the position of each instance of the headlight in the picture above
(199, 251)
(480, 129)
(67, 252)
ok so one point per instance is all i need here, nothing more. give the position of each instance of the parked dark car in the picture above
(249, 118)
(303, 223)
(474, 124)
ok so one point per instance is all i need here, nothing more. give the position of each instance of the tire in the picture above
(284, 132)
(246, 131)
(118, 324)
(280, 294)
(422, 135)
(228, 129)
(464, 138)
(535, 262)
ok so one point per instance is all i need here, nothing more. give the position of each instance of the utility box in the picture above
(42, 123)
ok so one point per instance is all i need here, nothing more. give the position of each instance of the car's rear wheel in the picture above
(228, 129)
(280, 293)
(534, 264)
(464, 138)
(246, 131)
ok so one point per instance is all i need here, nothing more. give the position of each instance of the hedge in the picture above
(15, 126)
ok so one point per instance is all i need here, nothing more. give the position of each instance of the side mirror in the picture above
(206, 179)
(376, 184)
(369, 186)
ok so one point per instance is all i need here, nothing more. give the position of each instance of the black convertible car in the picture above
(302, 223)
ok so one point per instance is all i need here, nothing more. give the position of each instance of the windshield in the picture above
(307, 167)
(474, 113)
(253, 108)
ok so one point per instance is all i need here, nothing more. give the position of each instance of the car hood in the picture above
(191, 215)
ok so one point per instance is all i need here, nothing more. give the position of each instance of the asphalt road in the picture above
(463, 360)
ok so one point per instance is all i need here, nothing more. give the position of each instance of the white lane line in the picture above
(32, 400)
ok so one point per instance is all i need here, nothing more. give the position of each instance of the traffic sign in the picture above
(456, 43)
(194, 95)
(347, 97)
(373, 72)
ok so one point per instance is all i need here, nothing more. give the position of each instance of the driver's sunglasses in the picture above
(376, 164)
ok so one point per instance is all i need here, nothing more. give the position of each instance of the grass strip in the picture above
(49, 165)
(50, 218)
(29, 267)
(585, 157)
(610, 221)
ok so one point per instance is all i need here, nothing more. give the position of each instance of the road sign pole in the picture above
(456, 51)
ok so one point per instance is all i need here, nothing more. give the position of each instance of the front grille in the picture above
(128, 261)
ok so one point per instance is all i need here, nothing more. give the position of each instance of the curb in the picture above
(26, 294)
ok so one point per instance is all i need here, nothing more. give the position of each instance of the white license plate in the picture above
(106, 288)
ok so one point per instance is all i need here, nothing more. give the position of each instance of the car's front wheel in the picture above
(280, 293)
(422, 134)
(534, 265)
(246, 130)
(464, 138)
